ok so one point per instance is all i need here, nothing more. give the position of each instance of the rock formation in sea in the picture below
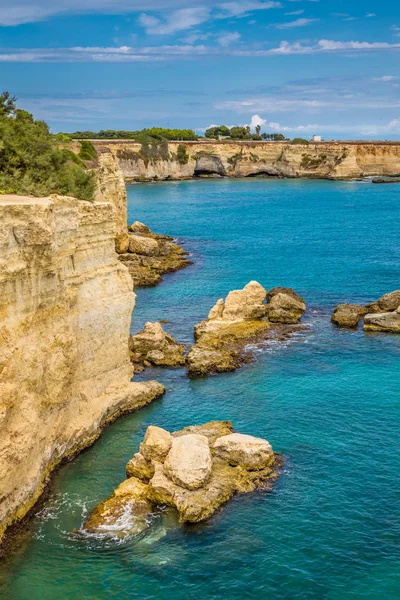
(65, 308)
(243, 318)
(149, 255)
(327, 160)
(194, 470)
(154, 346)
(381, 315)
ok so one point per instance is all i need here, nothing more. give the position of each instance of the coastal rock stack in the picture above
(154, 346)
(245, 316)
(193, 470)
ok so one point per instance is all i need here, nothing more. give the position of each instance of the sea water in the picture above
(328, 399)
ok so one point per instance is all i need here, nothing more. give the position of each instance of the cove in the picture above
(327, 399)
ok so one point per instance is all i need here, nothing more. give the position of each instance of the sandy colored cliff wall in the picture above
(65, 313)
(339, 160)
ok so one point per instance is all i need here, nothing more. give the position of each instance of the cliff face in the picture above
(65, 311)
(111, 187)
(246, 159)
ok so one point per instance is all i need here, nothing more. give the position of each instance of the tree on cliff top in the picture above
(31, 162)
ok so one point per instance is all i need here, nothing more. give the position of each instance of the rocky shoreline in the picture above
(194, 471)
(148, 256)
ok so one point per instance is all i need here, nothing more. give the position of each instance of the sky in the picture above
(298, 67)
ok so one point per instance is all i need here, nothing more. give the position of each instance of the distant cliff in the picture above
(65, 313)
(335, 160)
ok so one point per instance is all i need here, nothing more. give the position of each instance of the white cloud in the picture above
(296, 23)
(369, 15)
(178, 20)
(236, 8)
(386, 78)
(256, 120)
(273, 104)
(294, 13)
(328, 46)
(227, 38)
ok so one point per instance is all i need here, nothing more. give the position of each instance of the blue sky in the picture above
(295, 66)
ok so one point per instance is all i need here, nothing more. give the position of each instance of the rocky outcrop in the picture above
(155, 346)
(284, 306)
(203, 468)
(148, 255)
(348, 315)
(387, 321)
(111, 188)
(65, 313)
(381, 315)
(326, 160)
(242, 318)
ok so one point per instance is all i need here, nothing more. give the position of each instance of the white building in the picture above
(317, 138)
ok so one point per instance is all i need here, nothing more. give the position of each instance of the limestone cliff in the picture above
(65, 311)
(111, 187)
(326, 160)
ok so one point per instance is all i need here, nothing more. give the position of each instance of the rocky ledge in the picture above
(246, 316)
(154, 346)
(149, 255)
(381, 315)
(194, 470)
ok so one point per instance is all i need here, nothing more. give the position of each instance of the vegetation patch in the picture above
(182, 155)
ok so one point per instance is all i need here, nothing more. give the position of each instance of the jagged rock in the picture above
(151, 255)
(285, 307)
(143, 245)
(139, 467)
(121, 242)
(126, 512)
(138, 227)
(387, 303)
(156, 346)
(387, 321)
(188, 463)
(348, 315)
(156, 444)
(245, 450)
(284, 290)
(232, 324)
(196, 480)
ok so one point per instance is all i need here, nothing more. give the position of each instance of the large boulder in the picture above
(156, 444)
(245, 450)
(245, 304)
(122, 243)
(188, 463)
(156, 346)
(140, 228)
(126, 512)
(143, 245)
(386, 303)
(285, 307)
(348, 315)
(387, 321)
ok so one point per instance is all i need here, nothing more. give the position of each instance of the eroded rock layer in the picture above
(327, 160)
(65, 312)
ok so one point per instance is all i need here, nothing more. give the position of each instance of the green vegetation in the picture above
(87, 151)
(30, 160)
(182, 155)
(144, 135)
(241, 133)
(299, 140)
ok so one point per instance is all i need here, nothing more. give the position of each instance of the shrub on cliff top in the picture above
(30, 161)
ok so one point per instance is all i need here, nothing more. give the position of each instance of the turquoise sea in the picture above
(327, 399)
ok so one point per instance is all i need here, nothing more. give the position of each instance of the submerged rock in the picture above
(155, 346)
(205, 465)
(126, 512)
(148, 255)
(387, 321)
(232, 324)
(348, 315)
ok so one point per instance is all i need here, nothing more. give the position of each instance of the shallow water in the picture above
(328, 399)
